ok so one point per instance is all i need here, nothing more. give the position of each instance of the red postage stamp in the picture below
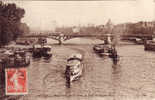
(16, 81)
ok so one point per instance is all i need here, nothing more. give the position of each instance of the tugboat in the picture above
(41, 51)
(105, 48)
(36, 51)
(74, 68)
(102, 49)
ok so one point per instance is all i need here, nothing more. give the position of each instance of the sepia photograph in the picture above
(77, 50)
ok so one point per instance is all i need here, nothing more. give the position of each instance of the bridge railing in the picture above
(69, 36)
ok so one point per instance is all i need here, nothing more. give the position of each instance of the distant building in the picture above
(145, 24)
(76, 29)
(109, 24)
(109, 27)
(100, 26)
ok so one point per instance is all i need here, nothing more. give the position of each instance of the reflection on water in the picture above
(47, 60)
(42, 60)
(116, 69)
(36, 59)
(116, 78)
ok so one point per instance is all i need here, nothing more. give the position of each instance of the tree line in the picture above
(10, 22)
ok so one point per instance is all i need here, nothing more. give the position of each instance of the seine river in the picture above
(133, 78)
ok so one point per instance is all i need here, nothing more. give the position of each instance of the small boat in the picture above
(103, 49)
(37, 51)
(22, 41)
(74, 68)
(139, 41)
(149, 45)
(107, 50)
(22, 58)
(16, 58)
(46, 52)
(25, 41)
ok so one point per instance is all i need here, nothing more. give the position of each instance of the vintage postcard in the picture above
(77, 49)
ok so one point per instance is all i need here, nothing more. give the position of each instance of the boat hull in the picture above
(149, 45)
(76, 76)
(102, 49)
(74, 68)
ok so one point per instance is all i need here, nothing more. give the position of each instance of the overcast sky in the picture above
(46, 14)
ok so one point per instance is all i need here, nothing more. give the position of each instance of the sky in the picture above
(46, 15)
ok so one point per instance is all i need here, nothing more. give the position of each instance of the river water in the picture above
(133, 78)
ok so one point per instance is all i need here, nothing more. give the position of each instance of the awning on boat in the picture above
(73, 63)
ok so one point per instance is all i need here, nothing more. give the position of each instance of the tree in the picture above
(24, 28)
(10, 21)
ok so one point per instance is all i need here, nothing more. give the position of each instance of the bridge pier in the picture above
(62, 38)
(60, 42)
